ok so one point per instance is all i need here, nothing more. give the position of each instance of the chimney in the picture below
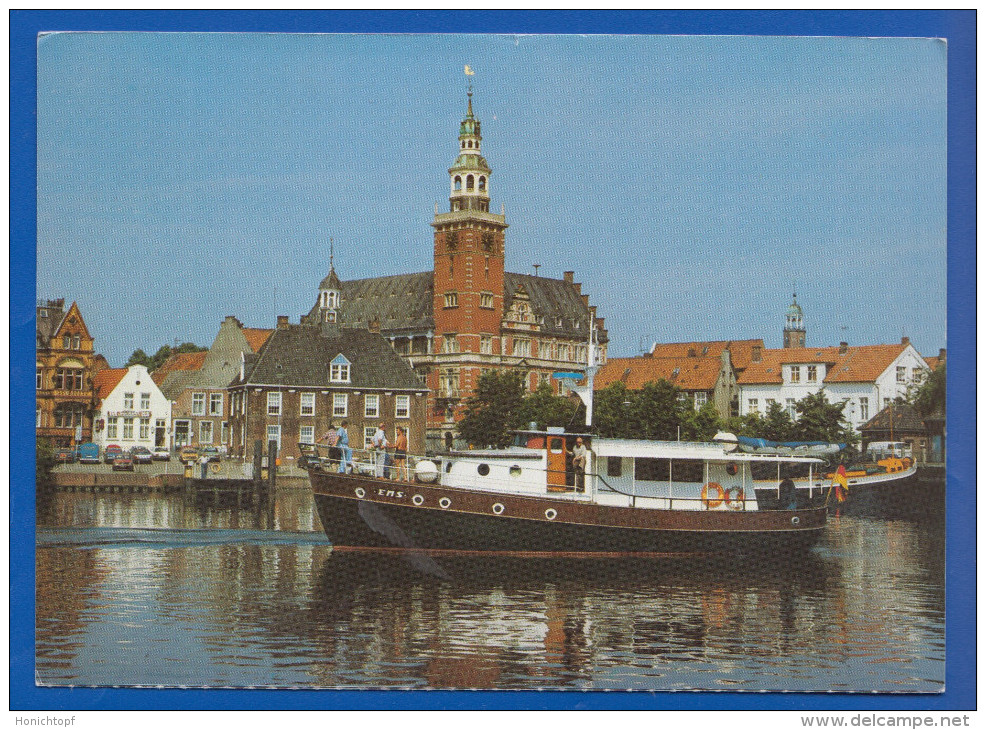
(755, 355)
(282, 321)
(843, 348)
(585, 299)
(905, 340)
(941, 354)
(569, 277)
(374, 325)
(691, 352)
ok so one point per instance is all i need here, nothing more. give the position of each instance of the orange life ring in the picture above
(712, 502)
(734, 498)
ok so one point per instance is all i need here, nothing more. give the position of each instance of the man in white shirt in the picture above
(379, 444)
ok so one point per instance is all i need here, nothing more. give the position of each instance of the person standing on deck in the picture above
(580, 454)
(400, 454)
(342, 443)
(379, 444)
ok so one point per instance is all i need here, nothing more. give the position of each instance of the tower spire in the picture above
(331, 254)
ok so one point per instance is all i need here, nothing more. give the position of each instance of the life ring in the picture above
(735, 498)
(712, 495)
(908, 461)
(215, 467)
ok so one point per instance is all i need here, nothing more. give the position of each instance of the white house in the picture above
(132, 409)
(868, 377)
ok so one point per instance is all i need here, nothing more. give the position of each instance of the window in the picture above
(812, 374)
(145, 428)
(451, 299)
(486, 300)
(563, 352)
(66, 341)
(701, 399)
(69, 415)
(486, 344)
(614, 466)
(371, 406)
(795, 374)
(37, 417)
(368, 436)
(791, 411)
(340, 404)
(402, 406)
(306, 435)
(145, 401)
(128, 401)
(901, 374)
(339, 370)
(225, 434)
(450, 343)
(273, 404)
(522, 348)
(274, 434)
(112, 428)
(752, 405)
(198, 404)
(76, 342)
(68, 379)
(482, 184)
(215, 404)
(917, 375)
(864, 409)
(308, 404)
(128, 429)
(770, 402)
(449, 384)
(39, 380)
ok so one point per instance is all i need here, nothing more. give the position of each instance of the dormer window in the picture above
(339, 369)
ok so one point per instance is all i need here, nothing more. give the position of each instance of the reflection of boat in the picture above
(637, 496)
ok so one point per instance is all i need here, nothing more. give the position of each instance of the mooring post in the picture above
(271, 465)
(258, 460)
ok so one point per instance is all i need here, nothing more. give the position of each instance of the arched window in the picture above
(482, 184)
(458, 183)
(469, 182)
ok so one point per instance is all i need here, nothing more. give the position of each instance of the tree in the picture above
(776, 424)
(547, 409)
(930, 397)
(493, 410)
(139, 357)
(611, 411)
(703, 424)
(820, 420)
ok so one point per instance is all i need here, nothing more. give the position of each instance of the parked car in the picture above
(212, 452)
(64, 456)
(123, 462)
(141, 455)
(188, 453)
(110, 453)
(89, 453)
(161, 453)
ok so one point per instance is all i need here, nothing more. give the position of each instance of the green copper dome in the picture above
(469, 161)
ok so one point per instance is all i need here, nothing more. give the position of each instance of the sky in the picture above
(693, 183)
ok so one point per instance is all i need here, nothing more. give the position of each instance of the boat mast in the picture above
(584, 392)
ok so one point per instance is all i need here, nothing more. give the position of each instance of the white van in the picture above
(886, 449)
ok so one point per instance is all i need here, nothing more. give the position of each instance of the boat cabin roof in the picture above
(642, 449)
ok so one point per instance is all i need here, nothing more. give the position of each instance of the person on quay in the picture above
(204, 463)
(379, 445)
(579, 454)
(400, 454)
(342, 443)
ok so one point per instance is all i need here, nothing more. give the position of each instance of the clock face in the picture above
(451, 240)
(488, 241)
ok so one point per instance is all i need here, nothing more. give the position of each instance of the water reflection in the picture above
(862, 612)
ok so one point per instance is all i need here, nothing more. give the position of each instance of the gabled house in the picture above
(903, 422)
(66, 365)
(867, 377)
(196, 384)
(307, 379)
(132, 410)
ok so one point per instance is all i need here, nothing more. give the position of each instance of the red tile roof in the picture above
(688, 373)
(179, 361)
(862, 364)
(740, 351)
(933, 362)
(256, 337)
(106, 380)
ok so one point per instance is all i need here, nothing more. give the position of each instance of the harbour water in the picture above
(170, 590)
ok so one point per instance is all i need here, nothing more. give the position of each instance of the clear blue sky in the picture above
(692, 183)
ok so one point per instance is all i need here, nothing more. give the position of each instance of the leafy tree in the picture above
(820, 420)
(658, 411)
(611, 412)
(776, 424)
(139, 357)
(930, 397)
(703, 424)
(494, 409)
(749, 425)
(546, 409)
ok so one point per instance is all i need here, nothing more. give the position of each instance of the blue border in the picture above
(958, 26)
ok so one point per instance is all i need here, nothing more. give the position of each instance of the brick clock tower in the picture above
(468, 278)
(794, 325)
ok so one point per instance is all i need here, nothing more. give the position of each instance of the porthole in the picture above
(445, 503)
(360, 492)
(498, 509)
(418, 500)
(515, 471)
(550, 513)
(483, 469)
(795, 520)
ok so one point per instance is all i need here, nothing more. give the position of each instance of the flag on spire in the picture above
(469, 71)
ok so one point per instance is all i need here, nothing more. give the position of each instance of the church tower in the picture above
(329, 293)
(468, 271)
(794, 325)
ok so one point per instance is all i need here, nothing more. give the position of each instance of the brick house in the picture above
(468, 314)
(307, 379)
(66, 366)
(196, 384)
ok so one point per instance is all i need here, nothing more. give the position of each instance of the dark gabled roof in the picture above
(900, 416)
(299, 355)
(555, 300)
